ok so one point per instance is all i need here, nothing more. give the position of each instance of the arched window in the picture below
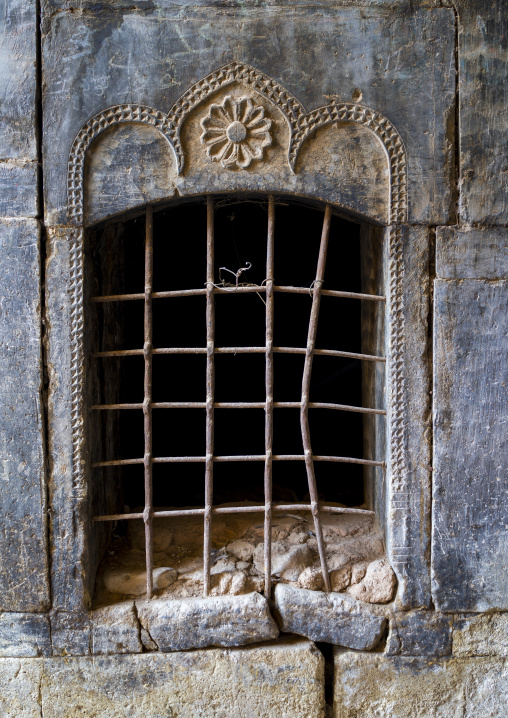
(235, 368)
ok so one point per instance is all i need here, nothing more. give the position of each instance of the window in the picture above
(233, 350)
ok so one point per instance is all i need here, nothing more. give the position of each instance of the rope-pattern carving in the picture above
(301, 125)
(93, 128)
(77, 354)
(385, 131)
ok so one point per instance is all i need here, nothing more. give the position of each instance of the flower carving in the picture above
(236, 132)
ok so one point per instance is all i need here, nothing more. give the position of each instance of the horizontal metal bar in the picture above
(258, 289)
(239, 458)
(240, 405)
(241, 350)
(236, 510)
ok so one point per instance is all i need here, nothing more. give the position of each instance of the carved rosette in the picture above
(236, 132)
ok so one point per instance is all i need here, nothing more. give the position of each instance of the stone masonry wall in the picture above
(437, 71)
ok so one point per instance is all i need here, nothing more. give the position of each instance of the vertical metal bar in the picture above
(147, 402)
(210, 386)
(304, 409)
(269, 396)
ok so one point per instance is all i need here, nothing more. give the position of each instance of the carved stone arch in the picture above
(89, 132)
(345, 112)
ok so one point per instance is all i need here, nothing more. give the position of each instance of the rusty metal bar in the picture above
(257, 289)
(241, 350)
(210, 390)
(269, 396)
(236, 510)
(241, 405)
(304, 410)
(147, 403)
(239, 458)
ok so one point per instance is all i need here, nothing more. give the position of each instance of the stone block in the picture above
(115, 629)
(482, 118)
(481, 635)
(328, 617)
(24, 635)
(18, 189)
(373, 52)
(18, 80)
(23, 516)
(471, 253)
(20, 681)
(70, 634)
(179, 625)
(372, 685)
(420, 633)
(469, 507)
(284, 680)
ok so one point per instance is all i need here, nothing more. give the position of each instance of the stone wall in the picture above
(436, 72)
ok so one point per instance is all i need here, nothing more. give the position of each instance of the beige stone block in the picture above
(285, 680)
(374, 685)
(481, 635)
(19, 688)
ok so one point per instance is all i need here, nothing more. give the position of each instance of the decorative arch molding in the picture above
(301, 125)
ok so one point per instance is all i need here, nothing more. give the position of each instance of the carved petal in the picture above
(230, 108)
(216, 118)
(244, 155)
(256, 116)
(218, 149)
(260, 127)
(245, 109)
(213, 135)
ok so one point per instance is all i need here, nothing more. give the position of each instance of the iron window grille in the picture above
(268, 288)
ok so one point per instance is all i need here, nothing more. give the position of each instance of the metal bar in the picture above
(269, 396)
(235, 510)
(147, 403)
(210, 390)
(240, 405)
(239, 458)
(241, 350)
(258, 289)
(304, 409)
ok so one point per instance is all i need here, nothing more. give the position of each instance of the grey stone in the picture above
(469, 506)
(24, 582)
(353, 47)
(20, 681)
(328, 617)
(372, 685)
(420, 633)
(471, 253)
(483, 71)
(70, 634)
(181, 624)
(18, 80)
(285, 679)
(24, 635)
(481, 635)
(115, 629)
(18, 189)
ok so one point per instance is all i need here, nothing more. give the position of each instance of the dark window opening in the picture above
(118, 433)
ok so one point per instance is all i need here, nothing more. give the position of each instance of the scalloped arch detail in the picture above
(301, 125)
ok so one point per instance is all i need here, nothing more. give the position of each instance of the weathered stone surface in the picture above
(378, 585)
(328, 617)
(178, 625)
(20, 681)
(24, 635)
(17, 80)
(70, 634)
(372, 685)
(365, 49)
(481, 635)
(471, 253)
(23, 543)
(133, 583)
(483, 71)
(18, 189)
(420, 633)
(407, 521)
(471, 446)
(287, 561)
(284, 679)
(115, 629)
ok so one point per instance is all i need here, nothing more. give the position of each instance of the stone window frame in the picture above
(404, 503)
